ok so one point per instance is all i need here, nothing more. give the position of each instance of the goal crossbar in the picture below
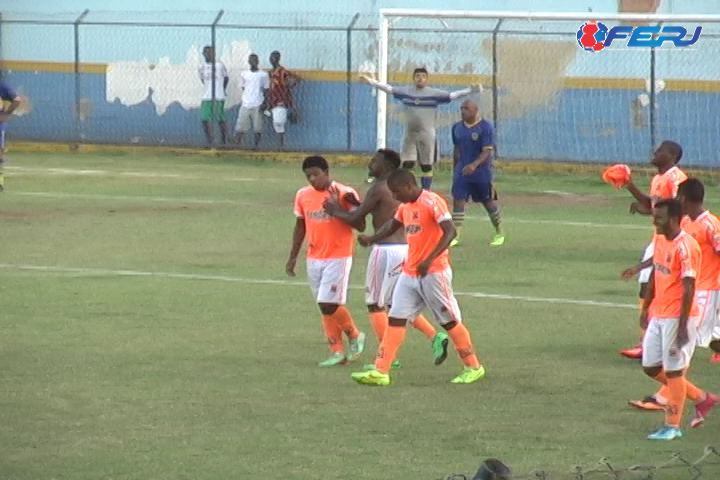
(386, 14)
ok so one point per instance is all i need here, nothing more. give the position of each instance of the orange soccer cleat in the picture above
(634, 353)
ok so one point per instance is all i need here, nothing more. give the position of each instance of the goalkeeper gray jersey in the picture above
(421, 106)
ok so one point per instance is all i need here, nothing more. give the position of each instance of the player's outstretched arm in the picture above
(354, 218)
(629, 273)
(390, 227)
(643, 200)
(297, 241)
(374, 83)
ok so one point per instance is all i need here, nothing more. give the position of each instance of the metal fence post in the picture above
(653, 76)
(1, 58)
(213, 43)
(348, 81)
(78, 87)
(495, 106)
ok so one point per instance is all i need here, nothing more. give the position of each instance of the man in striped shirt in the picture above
(282, 81)
(421, 102)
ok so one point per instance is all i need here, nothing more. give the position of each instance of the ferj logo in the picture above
(595, 36)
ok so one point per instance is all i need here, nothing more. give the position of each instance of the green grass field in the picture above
(149, 332)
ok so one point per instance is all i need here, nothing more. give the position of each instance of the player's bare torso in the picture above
(384, 211)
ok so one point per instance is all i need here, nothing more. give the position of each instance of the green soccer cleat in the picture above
(440, 346)
(372, 377)
(666, 433)
(469, 375)
(371, 366)
(334, 359)
(455, 242)
(498, 239)
(357, 347)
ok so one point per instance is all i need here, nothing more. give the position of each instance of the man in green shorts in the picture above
(212, 108)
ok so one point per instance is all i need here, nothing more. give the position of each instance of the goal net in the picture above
(553, 99)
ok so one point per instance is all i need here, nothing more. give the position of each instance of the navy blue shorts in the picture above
(478, 192)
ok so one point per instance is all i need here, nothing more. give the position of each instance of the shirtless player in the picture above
(387, 257)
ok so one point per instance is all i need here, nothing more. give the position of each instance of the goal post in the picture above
(550, 98)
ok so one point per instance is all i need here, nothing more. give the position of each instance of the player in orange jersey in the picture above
(426, 278)
(704, 227)
(671, 330)
(663, 185)
(329, 256)
(388, 255)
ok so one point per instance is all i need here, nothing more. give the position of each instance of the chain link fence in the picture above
(677, 467)
(132, 78)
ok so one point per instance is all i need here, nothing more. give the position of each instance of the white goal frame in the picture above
(387, 14)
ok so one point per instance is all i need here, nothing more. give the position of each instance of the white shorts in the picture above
(329, 279)
(413, 294)
(644, 274)
(419, 147)
(660, 344)
(383, 271)
(709, 329)
(279, 118)
(249, 119)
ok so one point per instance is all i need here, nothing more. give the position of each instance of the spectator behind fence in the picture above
(281, 104)
(254, 98)
(10, 102)
(212, 108)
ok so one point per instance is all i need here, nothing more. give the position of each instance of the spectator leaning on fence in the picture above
(212, 108)
(281, 103)
(254, 98)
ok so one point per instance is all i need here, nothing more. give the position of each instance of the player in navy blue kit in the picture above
(474, 141)
(10, 102)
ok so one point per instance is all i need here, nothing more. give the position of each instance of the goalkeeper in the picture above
(421, 104)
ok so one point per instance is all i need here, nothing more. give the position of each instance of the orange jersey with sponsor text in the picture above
(674, 261)
(665, 185)
(422, 220)
(705, 229)
(327, 237)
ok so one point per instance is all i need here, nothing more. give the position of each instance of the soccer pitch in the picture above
(149, 331)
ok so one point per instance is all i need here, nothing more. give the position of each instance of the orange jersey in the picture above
(327, 237)
(422, 220)
(674, 261)
(705, 229)
(665, 185)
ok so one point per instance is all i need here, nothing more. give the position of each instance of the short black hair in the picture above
(207, 47)
(391, 157)
(420, 70)
(315, 161)
(275, 52)
(253, 55)
(401, 177)
(673, 205)
(693, 190)
(674, 148)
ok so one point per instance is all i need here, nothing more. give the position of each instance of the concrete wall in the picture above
(139, 84)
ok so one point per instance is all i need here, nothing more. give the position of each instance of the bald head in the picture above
(469, 111)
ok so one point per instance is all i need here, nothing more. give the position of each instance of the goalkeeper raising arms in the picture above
(421, 104)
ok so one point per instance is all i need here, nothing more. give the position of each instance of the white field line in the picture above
(112, 173)
(211, 201)
(47, 269)
(90, 196)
